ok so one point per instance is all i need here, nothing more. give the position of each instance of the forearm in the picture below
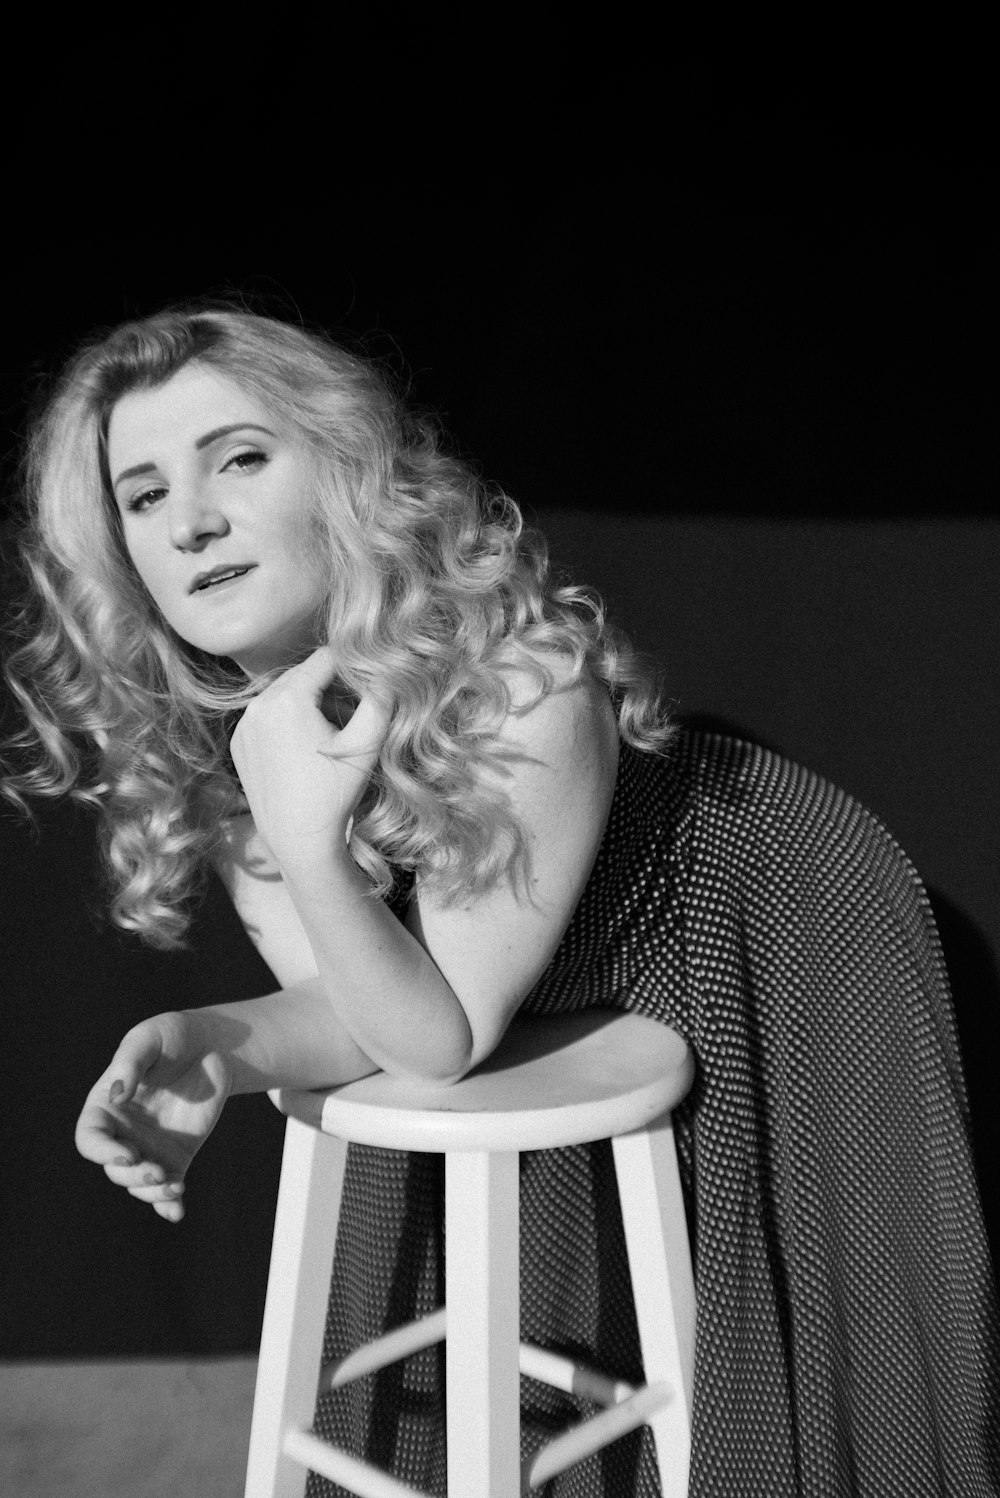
(303, 779)
(291, 1038)
(381, 984)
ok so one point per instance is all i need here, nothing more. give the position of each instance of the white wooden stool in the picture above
(552, 1082)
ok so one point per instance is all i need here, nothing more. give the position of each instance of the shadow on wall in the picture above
(975, 987)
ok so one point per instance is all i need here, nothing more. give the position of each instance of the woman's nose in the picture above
(194, 519)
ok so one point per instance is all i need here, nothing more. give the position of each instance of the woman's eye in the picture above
(143, 500)
(246, 461)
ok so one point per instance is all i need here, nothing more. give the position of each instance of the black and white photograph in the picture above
(499, 741)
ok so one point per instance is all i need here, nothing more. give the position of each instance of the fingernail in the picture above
(151, 1178)
(115, 1091)
(123, 1160)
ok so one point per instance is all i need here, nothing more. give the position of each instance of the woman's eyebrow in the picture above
(205, 441)
(237, 426)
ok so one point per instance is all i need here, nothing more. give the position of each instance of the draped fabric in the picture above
(847, 1330)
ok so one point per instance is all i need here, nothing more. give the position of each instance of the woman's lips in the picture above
(218, 577)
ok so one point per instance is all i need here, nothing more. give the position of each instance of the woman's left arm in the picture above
(493, 949)
(430, 998)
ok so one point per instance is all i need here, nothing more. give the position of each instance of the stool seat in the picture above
(550, 1083)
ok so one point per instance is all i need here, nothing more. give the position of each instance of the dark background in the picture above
(725, 324)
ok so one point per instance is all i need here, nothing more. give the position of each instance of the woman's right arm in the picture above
(157, 1102)
(172, 1073)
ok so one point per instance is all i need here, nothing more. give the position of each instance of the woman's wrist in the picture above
(290, 1038)
(209, 1038)
(324, 878)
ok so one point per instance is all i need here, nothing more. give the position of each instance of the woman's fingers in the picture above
(150, 1183)
(360, 741)
(368, 724)
(101, 1138)
(142, 1175)
(166, 1200)
(170, 1211)
(102, 1130)
(166, 1191)
(138, 1053)
(146, 1180)
(367, 728)
(317, 671)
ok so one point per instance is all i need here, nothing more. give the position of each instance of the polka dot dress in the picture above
(847, 1338)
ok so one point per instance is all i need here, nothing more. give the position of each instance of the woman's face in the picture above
(213, 498)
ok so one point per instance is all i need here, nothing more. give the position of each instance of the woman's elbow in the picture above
(476, 1049)
(441, 1065)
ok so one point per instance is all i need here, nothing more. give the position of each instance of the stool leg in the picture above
(298, 1288)
(481, 1277)
(663, 1285)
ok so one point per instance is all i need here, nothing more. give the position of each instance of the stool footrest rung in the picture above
(574, 1445)
(401, 1342)
(560, 1372)
(592, 1435)
(545, 1367)
(330, 1462)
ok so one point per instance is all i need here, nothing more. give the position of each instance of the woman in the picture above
(455, 797)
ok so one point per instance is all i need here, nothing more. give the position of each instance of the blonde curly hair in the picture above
(436, 589)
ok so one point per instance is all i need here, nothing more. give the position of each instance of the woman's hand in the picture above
(153, 1108)
(301, 774)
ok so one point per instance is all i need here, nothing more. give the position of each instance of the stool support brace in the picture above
(589, 1436)
(534, 1362)
(350, 1472)
(380, 1352)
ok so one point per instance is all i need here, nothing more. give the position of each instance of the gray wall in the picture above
(865, 650)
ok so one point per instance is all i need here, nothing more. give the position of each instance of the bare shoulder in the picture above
(559, 748)
(571, 716)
